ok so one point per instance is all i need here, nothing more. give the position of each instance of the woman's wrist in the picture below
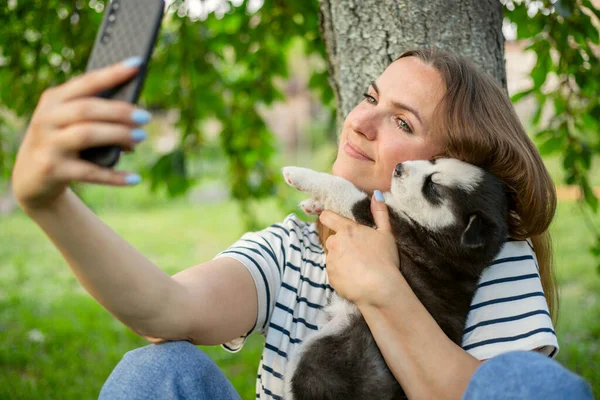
(413, 344)
(386, 292)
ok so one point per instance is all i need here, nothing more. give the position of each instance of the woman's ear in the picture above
(473, 235)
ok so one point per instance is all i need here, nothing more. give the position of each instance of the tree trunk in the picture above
(363, 36)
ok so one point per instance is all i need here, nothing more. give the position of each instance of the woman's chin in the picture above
(348, 174)
(363, 181)
(342, 169)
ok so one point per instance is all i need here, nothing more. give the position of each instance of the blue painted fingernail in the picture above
(141, 117)
(133, 179)
(379, 196)
(138, 135)
(133, 62)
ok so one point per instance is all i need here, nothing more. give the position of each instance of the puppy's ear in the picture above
(473, 235)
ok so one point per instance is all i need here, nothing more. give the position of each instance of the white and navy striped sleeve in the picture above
(264, 254)
(509, 311)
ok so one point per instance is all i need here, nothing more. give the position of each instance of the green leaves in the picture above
(552, 144)
(588, 194)
(590, 7)
(543, 65)
(595, 250)
(170, 170)
(561, 34)
(521, 95)
(218, 67)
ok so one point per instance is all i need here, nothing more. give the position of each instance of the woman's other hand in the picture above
(362, 262)
(70, 118)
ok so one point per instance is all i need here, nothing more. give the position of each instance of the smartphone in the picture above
(129, 28)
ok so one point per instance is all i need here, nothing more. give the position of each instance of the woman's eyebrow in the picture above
(399, 105)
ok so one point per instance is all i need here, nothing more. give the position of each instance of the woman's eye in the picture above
(402, 124)
(370, 99)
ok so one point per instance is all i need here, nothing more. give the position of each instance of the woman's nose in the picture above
(365, 124)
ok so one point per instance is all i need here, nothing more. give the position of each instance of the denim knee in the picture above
(525, 375)
(172, 370)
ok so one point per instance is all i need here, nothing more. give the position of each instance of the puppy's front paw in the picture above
(302, 179)
(312, 206)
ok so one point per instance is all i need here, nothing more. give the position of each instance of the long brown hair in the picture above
(477, 123)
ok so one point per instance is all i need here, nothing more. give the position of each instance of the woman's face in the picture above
(391, 125)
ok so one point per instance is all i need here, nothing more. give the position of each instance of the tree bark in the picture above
(363, 36)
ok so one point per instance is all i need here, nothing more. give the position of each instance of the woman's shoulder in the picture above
(515, 259)
(294, 224)
(515, 245)
(509, 310)
(515, 250)
(292, 232)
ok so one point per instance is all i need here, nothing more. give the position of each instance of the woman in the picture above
(425, 104)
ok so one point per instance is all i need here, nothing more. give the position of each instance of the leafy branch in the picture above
(211, 67)
(566, 84)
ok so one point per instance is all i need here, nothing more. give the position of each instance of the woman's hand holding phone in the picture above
(68, 119)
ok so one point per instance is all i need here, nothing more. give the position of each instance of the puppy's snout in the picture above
(398, 170)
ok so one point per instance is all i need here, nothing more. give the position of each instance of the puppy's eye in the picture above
(429, 185)
(432, 186)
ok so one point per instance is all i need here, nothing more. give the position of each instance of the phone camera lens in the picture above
(112, 17)
(105, 38)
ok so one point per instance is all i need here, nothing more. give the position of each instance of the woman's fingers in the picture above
(98, 109)
(380, 212)
(83, 171)
(335, 221)
(48, 157)
(82, 136)
(93, 82)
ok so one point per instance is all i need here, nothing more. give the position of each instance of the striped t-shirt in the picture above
(287, 263)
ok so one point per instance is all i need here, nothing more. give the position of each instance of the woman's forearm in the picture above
(422, 358)
(116, 274)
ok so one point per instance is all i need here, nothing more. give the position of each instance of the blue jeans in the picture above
(180, 370)
(172, 370)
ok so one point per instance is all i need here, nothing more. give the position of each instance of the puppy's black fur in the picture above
(443, 269)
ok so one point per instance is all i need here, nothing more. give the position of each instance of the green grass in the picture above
(81, 341)
(57, 343)
(578, 327)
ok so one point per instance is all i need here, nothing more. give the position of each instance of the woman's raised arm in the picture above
(206, 304)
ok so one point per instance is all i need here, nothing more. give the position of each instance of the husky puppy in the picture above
(449, 220)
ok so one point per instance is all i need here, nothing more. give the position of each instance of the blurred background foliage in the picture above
(564, 36)
(216, 67)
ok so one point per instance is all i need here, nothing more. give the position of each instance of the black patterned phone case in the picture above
(129, 28)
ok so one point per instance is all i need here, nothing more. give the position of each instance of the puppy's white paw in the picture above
(312, 206)
(300, 178)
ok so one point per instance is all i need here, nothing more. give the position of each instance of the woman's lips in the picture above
(355, 153)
